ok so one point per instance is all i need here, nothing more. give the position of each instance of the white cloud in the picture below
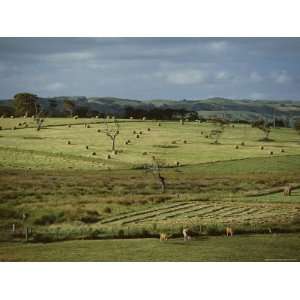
(218, 46)
(184, 77)
(256, 77)
(281, 77)
(55, 86)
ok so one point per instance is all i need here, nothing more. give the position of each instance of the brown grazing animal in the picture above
(163, 237)
(229, 231)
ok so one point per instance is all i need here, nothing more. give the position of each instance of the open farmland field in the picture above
(62, 180)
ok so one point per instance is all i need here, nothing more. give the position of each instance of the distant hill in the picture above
(233, 109)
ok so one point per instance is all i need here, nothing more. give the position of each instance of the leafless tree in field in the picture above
(112, 130)
(37, 116)
(155, 168)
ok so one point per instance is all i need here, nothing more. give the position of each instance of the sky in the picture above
(151, 68)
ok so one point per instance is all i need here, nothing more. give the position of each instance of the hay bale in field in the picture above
(68, 142)
(19, 124)
(114, 152)
(173, 142)
(126, 142)
(137, 136)
(141, 132)
(69, 126)
(145, 153)
(262, 147)
(86, 147)
(207, 136)
(149, 129)
(108, 156)
(88, 126)
(232, 125)
(237, 147)
(0, 127)
(94, 153)
(271, 152)
(185, 142)
(282, 150)
(158, 124)
(99, 130)
(242, 143)
(144, 118)
(14, 128)
(201, 132)
(134, 132)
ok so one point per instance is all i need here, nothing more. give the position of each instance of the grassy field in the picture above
(67, 193)
(284, 247)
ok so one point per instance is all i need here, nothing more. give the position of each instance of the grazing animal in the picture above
(287, 191)
(163, 237)
(229, 231)
(186, 236)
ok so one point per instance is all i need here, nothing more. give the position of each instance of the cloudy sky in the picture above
(148, 68)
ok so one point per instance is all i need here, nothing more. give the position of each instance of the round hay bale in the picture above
(282, 150)
(271, 152)
(158, 124)
(137, 136)
(0, 127)
(201, 132)
(262, 147)
(149, 129)
(173, 142)
(108, 156)
(144, 118)
(99, 130)
(145, 153)
(12, 117)
(94, 153)
(242, 143)
(141, 132)
(134, 132)
(114, 152)
(86, 147)
(206, 136)
(19, 124)
(128, 141)
(185, 142)
(88, 126)
(237, 147)
(69, 142)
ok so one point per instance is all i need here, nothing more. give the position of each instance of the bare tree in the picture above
(112, 130)
(37, 116)
(264, 127)
(155, 168)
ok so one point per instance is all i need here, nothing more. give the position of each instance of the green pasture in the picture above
(271, 247)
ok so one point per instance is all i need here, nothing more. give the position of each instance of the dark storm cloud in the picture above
(145, 68)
